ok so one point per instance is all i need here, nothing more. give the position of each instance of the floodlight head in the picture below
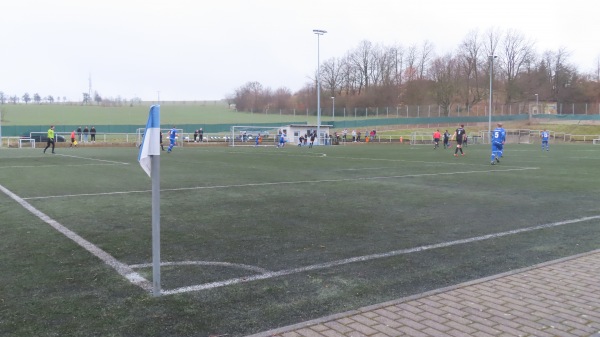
(319, 31)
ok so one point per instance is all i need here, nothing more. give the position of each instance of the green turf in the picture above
(171, 113)
(277, 209)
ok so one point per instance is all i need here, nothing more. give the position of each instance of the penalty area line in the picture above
(365, 258)
(121, 268)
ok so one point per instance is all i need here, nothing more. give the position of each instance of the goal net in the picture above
(247, 135)
(165, 132)
(520, 136)
(421, 138)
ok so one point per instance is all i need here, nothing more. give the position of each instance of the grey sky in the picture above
(204, 50)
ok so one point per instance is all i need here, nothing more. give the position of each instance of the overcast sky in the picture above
(205, 49)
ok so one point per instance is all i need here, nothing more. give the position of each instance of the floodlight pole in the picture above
(333, 107)
(491, 64)
(537, 104)
(318, 32)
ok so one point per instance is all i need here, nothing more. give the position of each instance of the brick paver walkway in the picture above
(555, 299)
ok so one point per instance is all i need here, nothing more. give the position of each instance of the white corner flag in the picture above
(150, 161)
(151, 142)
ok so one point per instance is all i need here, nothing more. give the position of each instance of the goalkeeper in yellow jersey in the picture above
(50, 140)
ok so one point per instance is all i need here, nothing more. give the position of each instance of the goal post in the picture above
(246, 135)
(519, 136)
(421, 138)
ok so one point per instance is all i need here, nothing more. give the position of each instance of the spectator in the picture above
(93, 134)
(201, 134)
(79, 134)
(86, 132)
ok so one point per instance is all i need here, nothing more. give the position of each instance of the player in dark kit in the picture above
(459, 136)
(446, 140)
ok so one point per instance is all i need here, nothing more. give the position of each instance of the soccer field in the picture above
(257, 238)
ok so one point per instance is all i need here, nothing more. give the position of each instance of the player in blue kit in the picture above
(172, 138)
(545, 135)
(498, 139)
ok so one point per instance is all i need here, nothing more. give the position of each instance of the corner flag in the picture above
(151, 141)
(150, 162)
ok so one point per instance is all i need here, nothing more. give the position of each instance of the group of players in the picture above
(50, 142)
(498, 139)
(460, 136)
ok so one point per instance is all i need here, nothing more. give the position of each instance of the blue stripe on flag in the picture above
(151, 142)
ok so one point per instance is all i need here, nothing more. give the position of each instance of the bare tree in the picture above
(516, 53)
(426, 53)
(282, 98)
(411, 63)
(444, 72)
(561, 72)
(472, 78)
(26, 98)
(398, 64)
(332, 76)
(361, 58)
(351, 83)
(97, 97)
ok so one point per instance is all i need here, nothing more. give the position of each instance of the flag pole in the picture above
(149, 158)
(155, 162)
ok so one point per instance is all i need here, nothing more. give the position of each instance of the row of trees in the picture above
(26, 98)
(378, 75)
(87, 99)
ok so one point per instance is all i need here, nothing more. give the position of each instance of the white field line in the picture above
(204, 263)
(364, 258)
(365, 168)
(93, 159)
(70, 165)
(121, 268)
(291, 182)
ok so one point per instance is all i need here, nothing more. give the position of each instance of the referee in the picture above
(50, 139)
